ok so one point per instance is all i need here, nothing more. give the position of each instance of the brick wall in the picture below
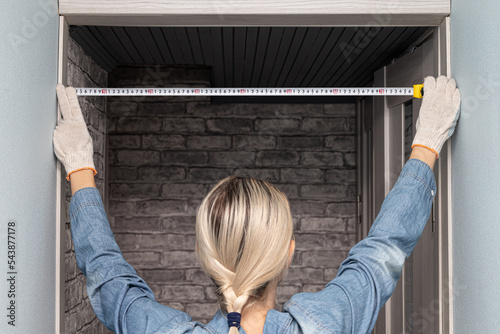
(165, 153)
(84, 72)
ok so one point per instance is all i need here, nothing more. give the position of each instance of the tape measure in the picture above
(416, 91)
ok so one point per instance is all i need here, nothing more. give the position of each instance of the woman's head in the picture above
(244, 230)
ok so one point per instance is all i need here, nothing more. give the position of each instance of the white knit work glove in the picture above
(72, 141)
(438, 114)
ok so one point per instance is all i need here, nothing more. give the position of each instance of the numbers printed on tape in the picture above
(348, 91)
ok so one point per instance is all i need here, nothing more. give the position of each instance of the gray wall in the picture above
(84, 72)
(165, 153)
(28, 44)
(475, 35)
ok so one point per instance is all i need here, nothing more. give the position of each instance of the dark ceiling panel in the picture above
(122, 36)
(115, 44)
(195, 45)
(260, 54)
(396, 47)
(255, 56)
(324, 53)
(236, 64)
(227, 52)
(312, 55)
(252, 33)
(376, 42)
(301, 54)
(351, 53)
(284, 51)
(297, 40)
(186, 49)
(352, 40)
(334, 57)
(269, 60)
(218, 68)
(161, 42)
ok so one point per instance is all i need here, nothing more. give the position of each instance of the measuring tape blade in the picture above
(180, 91)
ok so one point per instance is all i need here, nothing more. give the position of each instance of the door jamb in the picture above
(255, 13)
(444, 170)
(445, 227)
(62, 77)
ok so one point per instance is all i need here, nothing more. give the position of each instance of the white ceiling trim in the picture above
(255, 12)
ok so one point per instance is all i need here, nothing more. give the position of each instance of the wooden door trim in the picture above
(254, 12)
(439, 65)
(445, 228)
(60, 276)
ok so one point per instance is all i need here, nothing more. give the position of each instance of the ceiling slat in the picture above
(173, 44)
(346, 49)
(227, 40)
(312, 55)
(259, 56)
(359, 49)
(98, 34)
(151, 44)
(298, 39)
(194, 43)
(324, 55)
(272, 52)
(250, 50)
(302, 54)
(93, 48)
(110, 38)
(187, 55)
(334, 56)
(239, 43)
(162, 45)
(206, 46)
(398, 46)
(372, 52)
(255, 56)
(218, 56)
(122, 35)
(137, 39)
(283, 51)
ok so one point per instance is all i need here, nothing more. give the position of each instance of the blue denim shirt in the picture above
(348, 304)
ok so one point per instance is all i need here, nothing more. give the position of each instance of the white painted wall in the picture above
(475, 50)
(28, 44)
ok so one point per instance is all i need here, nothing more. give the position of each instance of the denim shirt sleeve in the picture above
(120, 298)
(367, 277)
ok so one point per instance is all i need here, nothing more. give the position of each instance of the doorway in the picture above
(422, 301)
(352, 47)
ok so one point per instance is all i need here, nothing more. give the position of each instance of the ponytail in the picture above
(243, 232)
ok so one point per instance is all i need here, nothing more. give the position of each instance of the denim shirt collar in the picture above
(276, 322)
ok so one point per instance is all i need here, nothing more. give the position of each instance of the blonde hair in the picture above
(243, 230)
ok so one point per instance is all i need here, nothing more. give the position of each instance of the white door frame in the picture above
(257, 13)
(444, 211)
(60, 300)
(384, 161)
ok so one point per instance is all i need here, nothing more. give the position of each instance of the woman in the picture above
(245, 241)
